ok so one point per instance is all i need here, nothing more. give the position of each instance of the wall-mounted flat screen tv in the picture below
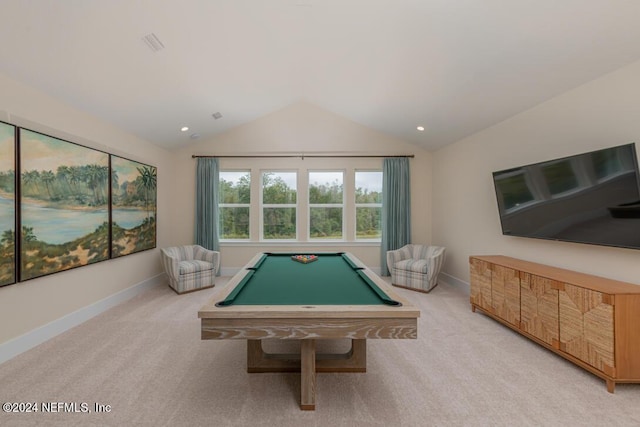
(587, 198)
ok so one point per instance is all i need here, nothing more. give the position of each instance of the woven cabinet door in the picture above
(539, 308)
(480, 284)
(587, 326)
(505, 294)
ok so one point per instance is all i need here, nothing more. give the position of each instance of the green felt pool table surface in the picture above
(332, 279)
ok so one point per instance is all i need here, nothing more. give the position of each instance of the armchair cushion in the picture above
(415, 265)
(194, 266)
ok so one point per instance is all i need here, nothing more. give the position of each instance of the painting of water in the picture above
(64, 205)
(133, 206)
(7, 205)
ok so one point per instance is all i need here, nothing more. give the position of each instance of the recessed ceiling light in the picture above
(420, 128)
(195, 136)
(184, 129)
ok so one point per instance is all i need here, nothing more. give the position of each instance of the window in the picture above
(327, 202)
(326, 205)
(368, 197)
(279, 205)
(235, 204)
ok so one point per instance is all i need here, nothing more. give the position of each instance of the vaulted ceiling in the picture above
(452, 66)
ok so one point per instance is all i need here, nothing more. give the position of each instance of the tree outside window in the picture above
(368, 195)
(235, 204)
(326, 205)
(279, 205)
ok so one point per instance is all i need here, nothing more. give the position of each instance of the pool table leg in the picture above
(307, 363)
(308, 374)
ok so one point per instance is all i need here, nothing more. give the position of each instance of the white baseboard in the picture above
(14, 347)
(229, 271)
(454, 281)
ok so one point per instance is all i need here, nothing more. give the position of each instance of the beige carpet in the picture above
(145, 359)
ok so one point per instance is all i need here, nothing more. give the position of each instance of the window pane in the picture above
(325, 187)
(368, 223)
(279, 187)
(235, 187)
(325, 223)
(279, 223)
(369, 187)
(235, 223)
(368, 191)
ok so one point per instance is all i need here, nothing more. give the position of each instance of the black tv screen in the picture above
(587, 198)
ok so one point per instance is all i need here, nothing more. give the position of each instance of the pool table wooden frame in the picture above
(308, 323)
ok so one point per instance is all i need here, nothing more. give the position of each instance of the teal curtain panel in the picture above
(396, 207)
(207, 179)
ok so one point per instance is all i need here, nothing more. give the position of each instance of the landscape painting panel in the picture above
(133, 208)
(7, 205)
(64, 205)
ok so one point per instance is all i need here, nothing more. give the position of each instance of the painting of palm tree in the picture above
(7, 205)
(64, 207)
(133, 206)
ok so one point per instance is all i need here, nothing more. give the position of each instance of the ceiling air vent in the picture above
(217, 115)
(153, 42)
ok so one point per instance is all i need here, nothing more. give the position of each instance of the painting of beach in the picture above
(64, 205)
(7, 205)
(133, 206)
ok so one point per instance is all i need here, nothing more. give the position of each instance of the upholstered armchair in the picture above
(416, 266)
(190, 267)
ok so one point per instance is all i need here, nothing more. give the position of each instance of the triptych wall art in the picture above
(7, 204)
(72, 205)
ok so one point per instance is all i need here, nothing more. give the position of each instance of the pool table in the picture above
(334, 297)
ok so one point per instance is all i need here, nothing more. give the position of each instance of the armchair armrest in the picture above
(204, 254)
(435, 261)
(170, 263)
(398, 255)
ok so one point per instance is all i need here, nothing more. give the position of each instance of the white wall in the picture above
(602, 113)
(34, 303)
(299, 128)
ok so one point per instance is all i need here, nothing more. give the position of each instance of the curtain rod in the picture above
(302, 156)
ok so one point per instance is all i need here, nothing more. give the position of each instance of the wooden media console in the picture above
(591, 321)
